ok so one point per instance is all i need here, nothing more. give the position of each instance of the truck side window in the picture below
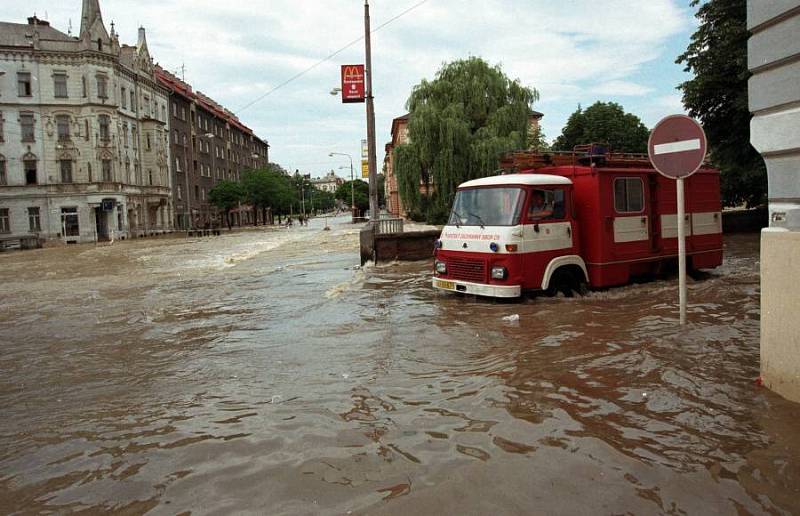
(628, 195)
(546, 205)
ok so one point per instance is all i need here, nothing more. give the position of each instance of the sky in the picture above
(573, 52)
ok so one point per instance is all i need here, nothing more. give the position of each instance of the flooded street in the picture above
(264, 372)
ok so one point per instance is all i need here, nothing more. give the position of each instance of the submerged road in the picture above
(264, 372)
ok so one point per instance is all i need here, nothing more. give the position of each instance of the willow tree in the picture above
(460, 124)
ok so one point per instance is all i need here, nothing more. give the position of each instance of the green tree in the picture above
(226, 195)
(604, 122)
(717, 96)
(361, 190)
(321, 200)
(268, 190)
(460, 124)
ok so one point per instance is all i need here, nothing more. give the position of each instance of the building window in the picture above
(34, 221)
(26, 122)
(5, 221)
(62, 124)
(150, 176)
(133, 101)
(105, 128)
(24, 84)
(66, 171)
(148, 142)
(134, 136)
(106, 163)
(69, 222)
(184, 139)
(89, 170)
(84, 88)
(30, 172)
(125, 135)
(628, 195)
(177, 164)
(180, 193)
(175, 109)
(3, 173)
(102, 86)
(124, 99)
(60, 85)
(1, 127)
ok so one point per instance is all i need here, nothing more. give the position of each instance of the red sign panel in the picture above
(677, 146)
(353, 83)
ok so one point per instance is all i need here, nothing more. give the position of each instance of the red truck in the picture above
(564, 222)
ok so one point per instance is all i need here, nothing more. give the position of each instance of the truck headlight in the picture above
(499, 273)
(440, 267)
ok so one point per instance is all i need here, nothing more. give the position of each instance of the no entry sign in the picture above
(677, 146)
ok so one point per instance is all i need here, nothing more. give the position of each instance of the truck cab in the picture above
(504, 232)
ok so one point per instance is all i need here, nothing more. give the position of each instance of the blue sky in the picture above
(573, 52)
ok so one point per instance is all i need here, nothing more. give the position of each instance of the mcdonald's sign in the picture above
(353, 83)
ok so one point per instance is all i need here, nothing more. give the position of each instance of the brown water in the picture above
(262, 372)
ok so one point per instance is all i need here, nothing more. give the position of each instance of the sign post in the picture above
(677, 147)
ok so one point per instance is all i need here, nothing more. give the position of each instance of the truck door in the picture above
(631, 218)
(548, 231)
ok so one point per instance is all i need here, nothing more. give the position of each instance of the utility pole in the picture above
(372, 155)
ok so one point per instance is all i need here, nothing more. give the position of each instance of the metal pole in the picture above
(352, 192)
(373, 170)
(681, 251)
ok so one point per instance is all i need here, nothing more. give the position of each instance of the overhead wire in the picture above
(328, 57)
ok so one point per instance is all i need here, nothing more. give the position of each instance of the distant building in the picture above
(328, 183)
(209, 144)
(83, 148)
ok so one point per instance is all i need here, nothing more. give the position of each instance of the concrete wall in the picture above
(774, 59)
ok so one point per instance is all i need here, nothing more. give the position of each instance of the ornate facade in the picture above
(84, 151)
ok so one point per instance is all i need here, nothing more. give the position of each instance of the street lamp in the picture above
(352, 183)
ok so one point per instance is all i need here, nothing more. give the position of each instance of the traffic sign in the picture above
(677, 146)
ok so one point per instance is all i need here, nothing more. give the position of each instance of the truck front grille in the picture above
(467, 270)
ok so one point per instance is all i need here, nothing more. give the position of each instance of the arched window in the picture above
(3, 173)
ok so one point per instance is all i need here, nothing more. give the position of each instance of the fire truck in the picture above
(565, 222)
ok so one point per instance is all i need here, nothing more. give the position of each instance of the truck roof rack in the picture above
(591, 154)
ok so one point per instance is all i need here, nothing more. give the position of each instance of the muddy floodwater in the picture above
(263, 372)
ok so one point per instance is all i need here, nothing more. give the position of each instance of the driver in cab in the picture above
(539, 208)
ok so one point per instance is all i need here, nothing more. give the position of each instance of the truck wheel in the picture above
(562, 281)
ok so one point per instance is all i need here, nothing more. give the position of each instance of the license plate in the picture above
(449, 285)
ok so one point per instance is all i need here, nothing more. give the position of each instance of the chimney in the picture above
(33, 20)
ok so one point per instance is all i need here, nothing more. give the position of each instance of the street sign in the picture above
(677, 146)
(364, 149)
(353, 85)
(364, 168)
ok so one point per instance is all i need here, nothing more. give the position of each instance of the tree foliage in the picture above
(226, 195)
(460, 124)
(717, 96)
(269, 188)
(360, 190)
(604, 122)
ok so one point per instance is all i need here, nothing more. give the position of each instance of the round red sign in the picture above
(677, 146)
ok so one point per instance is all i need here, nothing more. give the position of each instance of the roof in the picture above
(517, 179)
(21, 34)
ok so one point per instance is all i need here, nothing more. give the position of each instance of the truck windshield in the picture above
(487, 207)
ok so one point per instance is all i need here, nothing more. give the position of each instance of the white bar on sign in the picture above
(668, 148)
